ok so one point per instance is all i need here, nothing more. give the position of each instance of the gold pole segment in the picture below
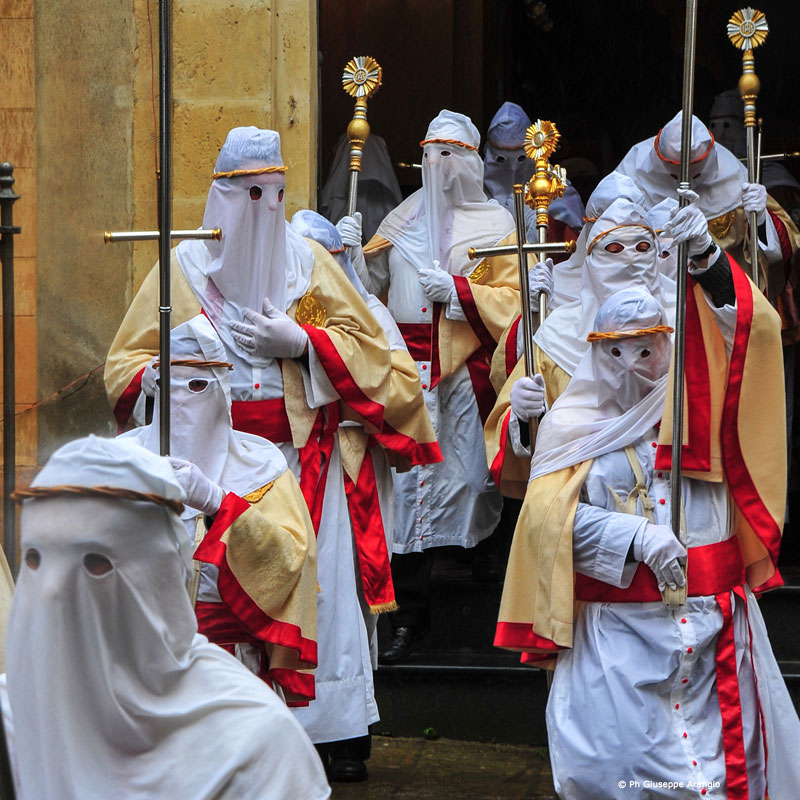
(747, 29)
(149, 236)
(548, 183)
(361, 78)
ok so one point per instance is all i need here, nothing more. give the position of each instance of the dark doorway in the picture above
(608, 73)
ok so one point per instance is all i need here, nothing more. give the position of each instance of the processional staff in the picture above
(164, 217)
(677, 597)
(747, 29)
(361, 78)
(546, 184)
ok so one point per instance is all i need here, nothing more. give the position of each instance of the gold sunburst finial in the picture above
(541, 139)
(362, 76)
(747, 28)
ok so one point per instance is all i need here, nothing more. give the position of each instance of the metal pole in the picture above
(164, 215)
(680, 309)
(7, 230)
(541, 235)
(152, 236)
(524, 290)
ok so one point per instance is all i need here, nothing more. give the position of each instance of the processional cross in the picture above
(545, 185)
(164, 218)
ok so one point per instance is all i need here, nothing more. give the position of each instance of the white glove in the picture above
(437, 284)
(688, 224)
(350, 230)
(657, 546)
(540, 279)
(754, 198)
(527, 397)
(201, 493)
(273, 334)
(149, 378)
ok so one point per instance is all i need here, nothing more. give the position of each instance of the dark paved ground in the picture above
(419, 769)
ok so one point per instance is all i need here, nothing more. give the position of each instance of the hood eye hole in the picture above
(645, 353)
(501, 159)
(665, 254)
(445, 153)
(96, 564)
(32, 558)
(642, 247)
(673, 175)
(198, 385)
(255, 192)
(613, 247)
(280, 195)
(616, 352)
(521, 158)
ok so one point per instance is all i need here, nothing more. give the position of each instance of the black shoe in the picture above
(403, 639)
(347, 770)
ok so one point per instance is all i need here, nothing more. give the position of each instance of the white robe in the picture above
(345, 698)
(455, 501)
(641, 675)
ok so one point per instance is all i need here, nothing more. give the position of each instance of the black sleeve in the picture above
(717, 281)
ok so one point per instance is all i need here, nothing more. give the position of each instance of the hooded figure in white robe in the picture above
(305, 351)
(725, 195)
(263, 604)
(672, 689)
(111, 690)
(455, 502)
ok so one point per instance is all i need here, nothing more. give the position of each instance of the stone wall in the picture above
(235, 62)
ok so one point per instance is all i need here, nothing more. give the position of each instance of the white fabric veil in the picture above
(259, 255)
(112, 691)
(617, 392)
(622, 252)
(450, 213)
(567, 274)
(716, 174)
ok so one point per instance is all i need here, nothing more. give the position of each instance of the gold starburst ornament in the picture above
(747, 28)
(541, 139)
(362, 76)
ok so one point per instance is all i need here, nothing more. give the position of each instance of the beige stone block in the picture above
(25, 360)
(16, 9)
(24, 287)
(295, 93)
(221, 50)
(25, 213)
(17, 144)
(199, 130)
(16, 63)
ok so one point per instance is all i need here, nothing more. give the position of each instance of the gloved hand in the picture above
(350, 230)
(201, 493)
(657, 546)
(688, 224)
(527, 397)
(754, 198)
(149, 378)
(540, 279)
(437, 284)
(273, 334)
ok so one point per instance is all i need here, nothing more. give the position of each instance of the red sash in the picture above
(268, 418)
(370, 537)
